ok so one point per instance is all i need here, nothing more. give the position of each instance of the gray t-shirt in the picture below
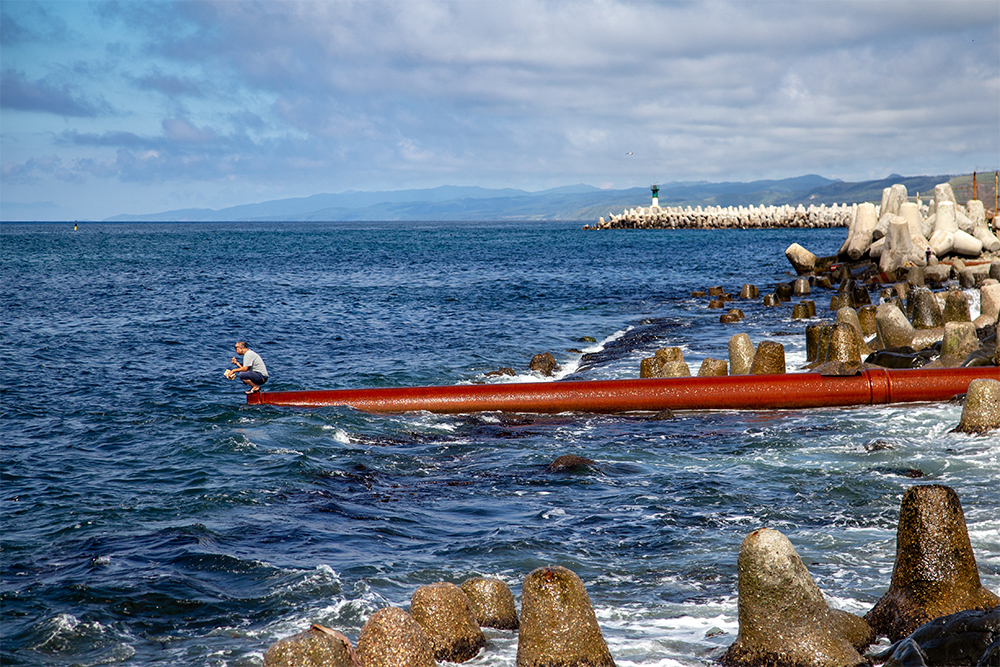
(253, 360)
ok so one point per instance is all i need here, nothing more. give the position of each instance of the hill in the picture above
(574, 202)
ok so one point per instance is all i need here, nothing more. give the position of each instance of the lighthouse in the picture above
(656, 195)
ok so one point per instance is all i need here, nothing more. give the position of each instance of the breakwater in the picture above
(730, 217)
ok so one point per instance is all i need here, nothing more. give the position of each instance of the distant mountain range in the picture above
(573, 202)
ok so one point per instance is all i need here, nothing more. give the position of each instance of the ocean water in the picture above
(149, 516)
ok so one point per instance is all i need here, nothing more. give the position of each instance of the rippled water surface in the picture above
(150, 517)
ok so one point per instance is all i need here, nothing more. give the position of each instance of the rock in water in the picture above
(316, 647)
(964, 638)
(391, 638)
(445, 614)
(784, 619)
(981, 412)
(569, 462)
(935, 572)
(492, 602)
(670, 354)
(906, 653)
(558, 625)
(544, 363)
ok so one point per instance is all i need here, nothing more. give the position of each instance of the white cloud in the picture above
(321, 96)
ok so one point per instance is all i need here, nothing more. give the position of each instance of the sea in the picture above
(151, 517)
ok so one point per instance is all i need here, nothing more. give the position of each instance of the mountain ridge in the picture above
(570, 202)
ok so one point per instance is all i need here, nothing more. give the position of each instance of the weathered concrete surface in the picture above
(391, 638)
(784, 619)
(318, 646)
(445, 613)
(558, 625)
(935, 572)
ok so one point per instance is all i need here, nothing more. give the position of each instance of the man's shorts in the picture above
(255, 377)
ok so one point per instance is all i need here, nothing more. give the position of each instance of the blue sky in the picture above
(141, 107)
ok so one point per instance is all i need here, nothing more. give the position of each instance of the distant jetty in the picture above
(730, 217)
(897, 234)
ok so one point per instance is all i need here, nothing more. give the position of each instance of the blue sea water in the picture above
(149, 516)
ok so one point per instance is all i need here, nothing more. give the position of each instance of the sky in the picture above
(141, 107)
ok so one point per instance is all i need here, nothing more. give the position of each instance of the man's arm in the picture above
(231, 373)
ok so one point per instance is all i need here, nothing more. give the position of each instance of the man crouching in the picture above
(252, 371)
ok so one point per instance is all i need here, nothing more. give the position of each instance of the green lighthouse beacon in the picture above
(656, 195)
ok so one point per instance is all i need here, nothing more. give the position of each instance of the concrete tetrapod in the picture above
(926, 309)
(492, 602)
(981, 411)
(769, 359)
(861, 232)
(558, 625)
(935, 572)
(846, 343)
(956, 307)
(801, 259)
(713, 367)
(445, 614)
(316, 647)
(959, 340)
(894, 330)
(391, 638)
(783, 617)
(741, 353)
(899, 247)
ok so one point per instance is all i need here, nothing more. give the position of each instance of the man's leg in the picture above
(249, 377)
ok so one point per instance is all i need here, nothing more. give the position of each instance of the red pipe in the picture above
(730, 392)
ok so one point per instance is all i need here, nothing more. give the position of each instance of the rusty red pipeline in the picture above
(730, 392)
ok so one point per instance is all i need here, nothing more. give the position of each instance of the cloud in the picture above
(170, 85)
(182, 152)
(353, 67)
(180, 130)
(34, 170)
(17, 92)
(367, 94)
(33, 23)
(30, 205)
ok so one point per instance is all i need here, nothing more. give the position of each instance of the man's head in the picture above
(241, 347)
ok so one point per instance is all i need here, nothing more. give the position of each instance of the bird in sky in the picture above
(629, 153)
